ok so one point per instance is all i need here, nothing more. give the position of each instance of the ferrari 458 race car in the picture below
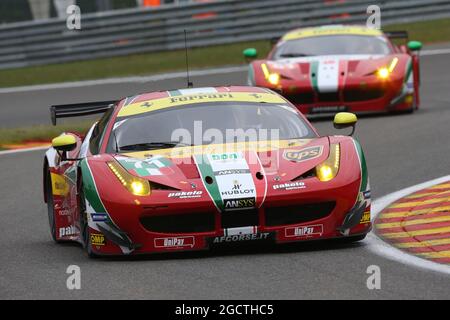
(155, 174)
(341, 68)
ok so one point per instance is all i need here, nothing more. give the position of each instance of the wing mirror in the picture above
(64, 142)
(344, 120)
(415, 45)
(250, 54)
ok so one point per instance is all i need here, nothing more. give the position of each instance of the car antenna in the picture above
(189, 83)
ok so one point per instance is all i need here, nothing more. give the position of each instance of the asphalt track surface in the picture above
(401, 151)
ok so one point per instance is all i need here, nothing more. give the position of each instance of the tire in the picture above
(352, 239)
(50, 206)
(85, 233)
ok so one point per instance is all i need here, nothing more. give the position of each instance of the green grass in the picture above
(139, 64)
(160, 62)
(40, 133)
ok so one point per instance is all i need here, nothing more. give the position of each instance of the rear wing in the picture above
(397, 34)
(79, 109)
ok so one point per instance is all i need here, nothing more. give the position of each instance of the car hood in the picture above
(254, 162)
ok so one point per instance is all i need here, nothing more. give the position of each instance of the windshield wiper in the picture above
(152, 145)
(294, 55)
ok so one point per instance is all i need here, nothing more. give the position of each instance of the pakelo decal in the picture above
(303, 154)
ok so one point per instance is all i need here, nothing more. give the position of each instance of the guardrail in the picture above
(131, 31)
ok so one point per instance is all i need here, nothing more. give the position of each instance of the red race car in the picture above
(155, 174)
(341, 68)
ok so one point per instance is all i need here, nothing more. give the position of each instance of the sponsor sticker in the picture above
(67, 231)
(174, 242)
(304, 231)
(303, 154)
(99, 217)
(365, 218)
(98, 239)
(185, 194)
(239, 203)
(289, 186)
(242, 237)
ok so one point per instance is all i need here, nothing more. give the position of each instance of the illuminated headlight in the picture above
(272, 78)
(385, 72)
(328, 169)
(135, 185)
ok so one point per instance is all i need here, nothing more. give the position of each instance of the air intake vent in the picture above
(278, 216)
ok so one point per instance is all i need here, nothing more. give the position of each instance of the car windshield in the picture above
(207, 123)
(332, 45)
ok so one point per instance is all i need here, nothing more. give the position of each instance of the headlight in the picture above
(136, 185)
(385, 72)
(328, 169)
(272, 78)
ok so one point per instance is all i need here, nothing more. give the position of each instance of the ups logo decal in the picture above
(303, 154)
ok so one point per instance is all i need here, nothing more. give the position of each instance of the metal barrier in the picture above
(131, 31)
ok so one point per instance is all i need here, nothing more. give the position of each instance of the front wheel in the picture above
(352, 239)
(50, 206)
(85, 232)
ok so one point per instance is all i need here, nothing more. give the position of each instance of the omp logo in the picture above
(67, 231)
(304, 154)
(304, 231)
(174, 242)
(366, 217)
(239, 203)
(202, 97)
(97, 239)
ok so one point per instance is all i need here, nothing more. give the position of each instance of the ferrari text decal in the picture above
(163, 103)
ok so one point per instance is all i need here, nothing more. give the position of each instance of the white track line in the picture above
(158, 77)
(22, 150)
(434, 52)
(378, 246)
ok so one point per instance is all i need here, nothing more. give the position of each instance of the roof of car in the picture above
(148, 102)
(331, 30)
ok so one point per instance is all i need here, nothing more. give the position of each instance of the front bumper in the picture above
(356, 96)
(285, 217)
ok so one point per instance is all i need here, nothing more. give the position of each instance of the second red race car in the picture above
(338, 68)
(155, 174)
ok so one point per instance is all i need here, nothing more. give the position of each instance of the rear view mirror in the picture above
(250, 53)
(344, 120)
(64, 142)
(414, 45)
